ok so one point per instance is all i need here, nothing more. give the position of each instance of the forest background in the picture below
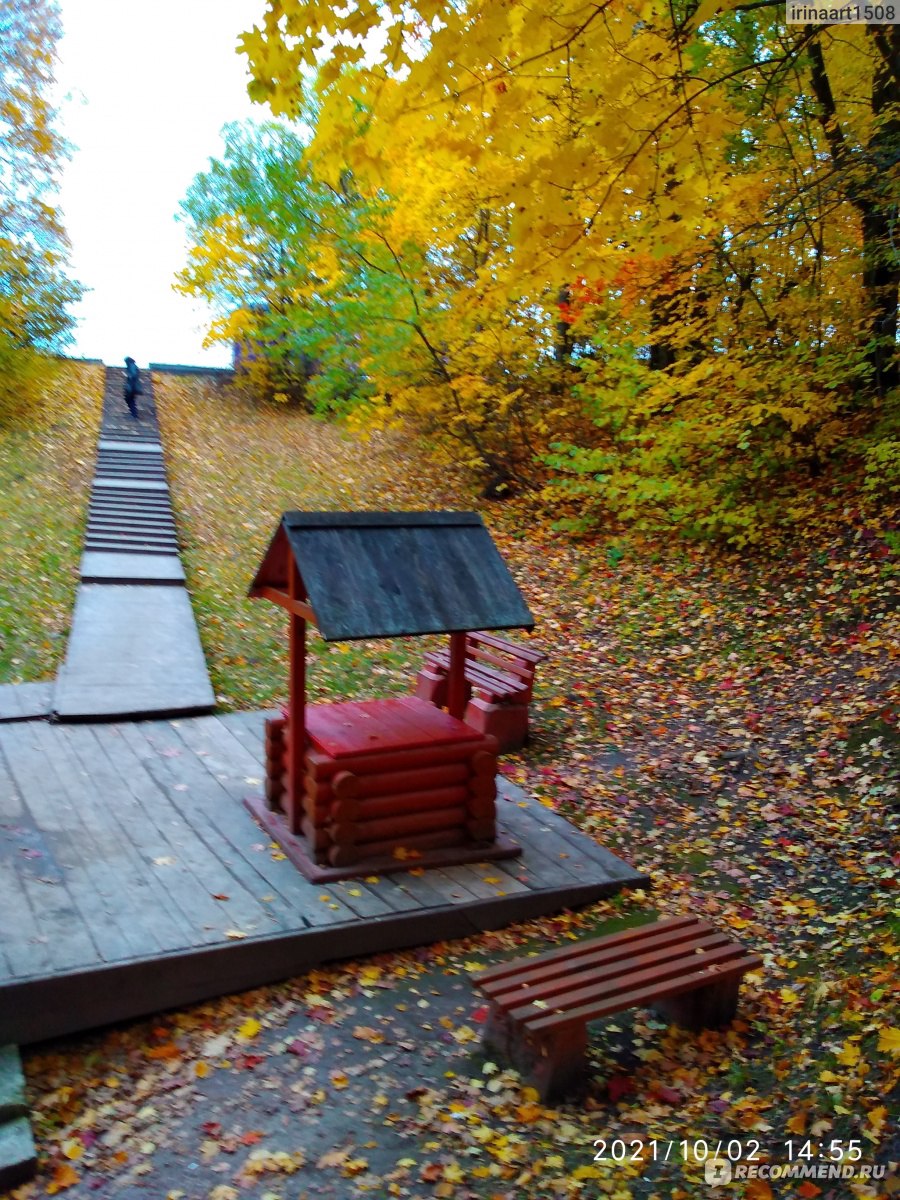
(639, 259)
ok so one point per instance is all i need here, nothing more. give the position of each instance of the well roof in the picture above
(394, 574)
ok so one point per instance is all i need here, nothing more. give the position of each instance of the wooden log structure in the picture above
(361, 780)
(356, 802)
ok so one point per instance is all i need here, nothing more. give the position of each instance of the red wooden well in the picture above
(369, 785)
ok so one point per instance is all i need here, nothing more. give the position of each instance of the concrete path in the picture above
(133, 650)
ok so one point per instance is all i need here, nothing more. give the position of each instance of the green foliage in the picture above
(881, 453)
(262, 232)
(35, 289)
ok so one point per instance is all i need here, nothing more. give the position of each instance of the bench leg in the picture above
(431, 687)
(554, 1065)
(705, 1007)
(499, 1033)
(508, 723)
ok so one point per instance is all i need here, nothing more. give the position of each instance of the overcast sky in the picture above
(148, 87)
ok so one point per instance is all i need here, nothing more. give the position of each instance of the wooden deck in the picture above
(132, 879)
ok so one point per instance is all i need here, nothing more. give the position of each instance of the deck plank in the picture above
(249, 729)
(71, 851)
(142, 897)
(142, 845)
(198, 799)
(138, 827)
(211, 744)
(199, 875)
(203, 767)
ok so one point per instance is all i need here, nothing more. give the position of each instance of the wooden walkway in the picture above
(133, 648)
(132, 879)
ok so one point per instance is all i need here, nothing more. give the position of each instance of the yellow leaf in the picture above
(529, 1113)
(889, 1040)
(249, 1029)
(465, 1033)
(849, 1055)
(73, 1149)
(797, 1123)
(63, 1177)
(366, 1034)
(876, 1118)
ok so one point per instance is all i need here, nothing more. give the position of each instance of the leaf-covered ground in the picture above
(728, 725)
(45, 473)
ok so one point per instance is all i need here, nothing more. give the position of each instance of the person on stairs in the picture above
(132, 386)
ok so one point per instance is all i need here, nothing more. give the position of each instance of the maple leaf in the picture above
(849, 1054)
(889, 1040)
(876, 1118)
(618, 1086)
(332, 1158)
(797, 1123)
(64, 1176)
(167, 1051)
(367, 1034)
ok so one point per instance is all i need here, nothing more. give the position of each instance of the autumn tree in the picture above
(710, 194)
(251, 221)
(35, 289)
(371, 294)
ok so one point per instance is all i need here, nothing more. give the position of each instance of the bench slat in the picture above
(614, 941)
(602, 974)
(490, 639)
(486, 658)
(478, 676)
(613, 981)
(653, 989)
(441, 659)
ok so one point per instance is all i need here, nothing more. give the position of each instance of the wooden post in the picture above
(456, 679)
(296, 756)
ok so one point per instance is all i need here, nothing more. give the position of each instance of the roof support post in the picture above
(456, 679)
(296, 763)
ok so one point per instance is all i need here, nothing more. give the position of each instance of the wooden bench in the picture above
(540, 1006)
(499, 683)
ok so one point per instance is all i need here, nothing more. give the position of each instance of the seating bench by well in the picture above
(540, 1006)
(499, 680)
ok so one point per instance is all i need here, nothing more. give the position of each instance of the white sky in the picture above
(148, 87)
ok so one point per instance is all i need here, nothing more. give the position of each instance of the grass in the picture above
(45, 473)
(235, 466)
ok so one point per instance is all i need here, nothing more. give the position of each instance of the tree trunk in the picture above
(880, 210)
(874, 197)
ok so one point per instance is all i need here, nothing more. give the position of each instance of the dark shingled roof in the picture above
(395, 574)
